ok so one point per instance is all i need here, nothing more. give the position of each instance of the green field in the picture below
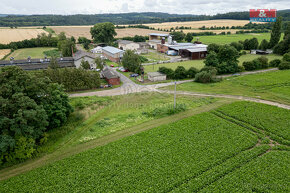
(208, 152)
(200, 63)
(134, 110)
(155, 57)
(34, 53)
(273, 86)
(227, 39)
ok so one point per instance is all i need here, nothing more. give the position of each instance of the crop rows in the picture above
(268, 173)
(151, 161)
(273, 120)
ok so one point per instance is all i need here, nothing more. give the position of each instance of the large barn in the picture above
(193, 51)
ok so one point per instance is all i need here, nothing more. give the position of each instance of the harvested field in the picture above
(84, 31)
(197, 24)
(4, 52)
(8, 35)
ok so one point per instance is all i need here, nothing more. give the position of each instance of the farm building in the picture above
(156, 38)
(261, 52)
(37, 64)
(185, 50)
(111, 76)
(86, 56)
(97, 50)
(130, 45)
(156, 76)
(113, 54)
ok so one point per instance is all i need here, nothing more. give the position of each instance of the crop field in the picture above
(208, 152)
(200, 63)
(198, 24)
(273, 86)
(34, 53)
(84, 31)
(3, 53)
(8, 35)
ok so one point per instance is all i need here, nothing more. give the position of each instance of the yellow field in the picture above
(198, 24)
(84, 31)
(8, 35)
(4, 52)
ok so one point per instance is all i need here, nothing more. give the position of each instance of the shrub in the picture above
(237, 45)
(275, 63)
(206, 76)
(180, 73)
(192, 72)
(168, 71)
(286, 57)
(284, 65)
(241, 69)
(263, 62)
(143, 59)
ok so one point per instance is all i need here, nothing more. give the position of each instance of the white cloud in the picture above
(116, 6)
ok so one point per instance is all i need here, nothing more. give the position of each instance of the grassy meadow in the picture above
(208, 152)
(227, 39)
(22, 54)
(273, 86)
(199, 64)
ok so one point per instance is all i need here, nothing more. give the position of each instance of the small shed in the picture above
(111, 76)
(156, 76)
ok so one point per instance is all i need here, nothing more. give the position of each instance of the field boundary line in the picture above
(237, 121)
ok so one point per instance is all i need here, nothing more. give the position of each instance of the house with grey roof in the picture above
(86, 56)
(113, 54)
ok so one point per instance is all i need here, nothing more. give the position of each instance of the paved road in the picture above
(131, 87)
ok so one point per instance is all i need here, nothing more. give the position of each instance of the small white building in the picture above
(97, 50)
(156, 76)
(130, 45)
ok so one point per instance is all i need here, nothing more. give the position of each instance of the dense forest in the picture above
(122, 18)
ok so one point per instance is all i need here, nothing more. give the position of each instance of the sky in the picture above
(196, 7)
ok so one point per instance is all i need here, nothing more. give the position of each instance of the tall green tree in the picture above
(264, 44)
(188, 37)
(67, 47)
(276, 33)
(29, 105)
(103, 32)
(131, 61)
(100, 63)
(85, 64)
(283, 46)
(178, 36)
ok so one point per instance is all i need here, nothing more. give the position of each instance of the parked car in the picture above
(134, 75)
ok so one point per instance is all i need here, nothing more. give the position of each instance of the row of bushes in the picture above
(179, 73)
(205, 75)
(74, 79)
(262, 63)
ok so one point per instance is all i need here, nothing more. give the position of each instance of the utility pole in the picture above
(175, 96)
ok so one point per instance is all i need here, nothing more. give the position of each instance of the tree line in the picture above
(118, 19)
(65, 45)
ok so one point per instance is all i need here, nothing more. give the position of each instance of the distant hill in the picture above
(122, 18)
